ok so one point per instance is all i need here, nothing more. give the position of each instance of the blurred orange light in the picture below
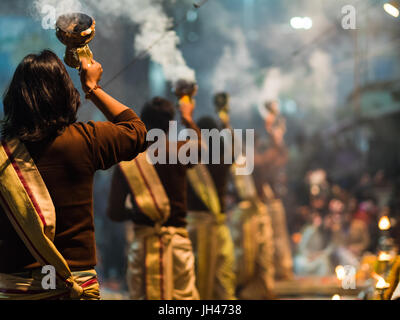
(384, 256)
(340, 272)
(381, 284)
(384, 223)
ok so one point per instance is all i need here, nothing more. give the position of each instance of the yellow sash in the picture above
(28, 205)
(147, 189)
(393, 278)
(203, 185)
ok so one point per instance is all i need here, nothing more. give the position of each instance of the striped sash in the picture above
(152, 200)
(28, 205)
(147, 189)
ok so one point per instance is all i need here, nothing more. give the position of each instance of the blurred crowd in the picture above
(337, 226)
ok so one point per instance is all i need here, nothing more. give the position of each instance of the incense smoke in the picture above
(154, 28)
(312, 83)
(233, 70)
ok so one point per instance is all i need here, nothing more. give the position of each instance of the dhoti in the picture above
(254, 251)
(214, 253)
(161, 265)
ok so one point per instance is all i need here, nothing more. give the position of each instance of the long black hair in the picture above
(41, 100)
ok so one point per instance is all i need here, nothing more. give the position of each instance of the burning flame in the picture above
(381, 284)
(87, 32)
(384, 223)
(336, 297)
(340, 272)
(384, 256)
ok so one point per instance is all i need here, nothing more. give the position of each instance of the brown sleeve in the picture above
(116, 210)
(120, 140)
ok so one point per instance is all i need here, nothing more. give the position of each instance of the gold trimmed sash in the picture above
(203, 185)
(147, 189)
(28, 205)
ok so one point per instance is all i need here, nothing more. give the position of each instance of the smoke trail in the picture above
(274, 83)
(236, 73)
(311, 82)
(153, 24)
(316, 75)
(233, 69)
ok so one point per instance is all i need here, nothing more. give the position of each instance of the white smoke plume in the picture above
(154, 29)
(312, 84)
(310, 81)
(274, 83)
(234, 69)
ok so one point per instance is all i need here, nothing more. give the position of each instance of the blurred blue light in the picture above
(191, 16)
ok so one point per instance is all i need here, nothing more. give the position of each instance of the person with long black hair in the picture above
(47, 164)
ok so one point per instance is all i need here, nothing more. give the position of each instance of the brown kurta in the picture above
(67, 165)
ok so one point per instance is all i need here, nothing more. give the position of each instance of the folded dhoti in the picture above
(161, 265)
(254, 250)
(214, 253)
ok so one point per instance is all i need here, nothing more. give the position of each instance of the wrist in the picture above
(88, 86)
(91, 91)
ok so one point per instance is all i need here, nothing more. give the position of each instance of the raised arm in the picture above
(90, 74)
(123, 137)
